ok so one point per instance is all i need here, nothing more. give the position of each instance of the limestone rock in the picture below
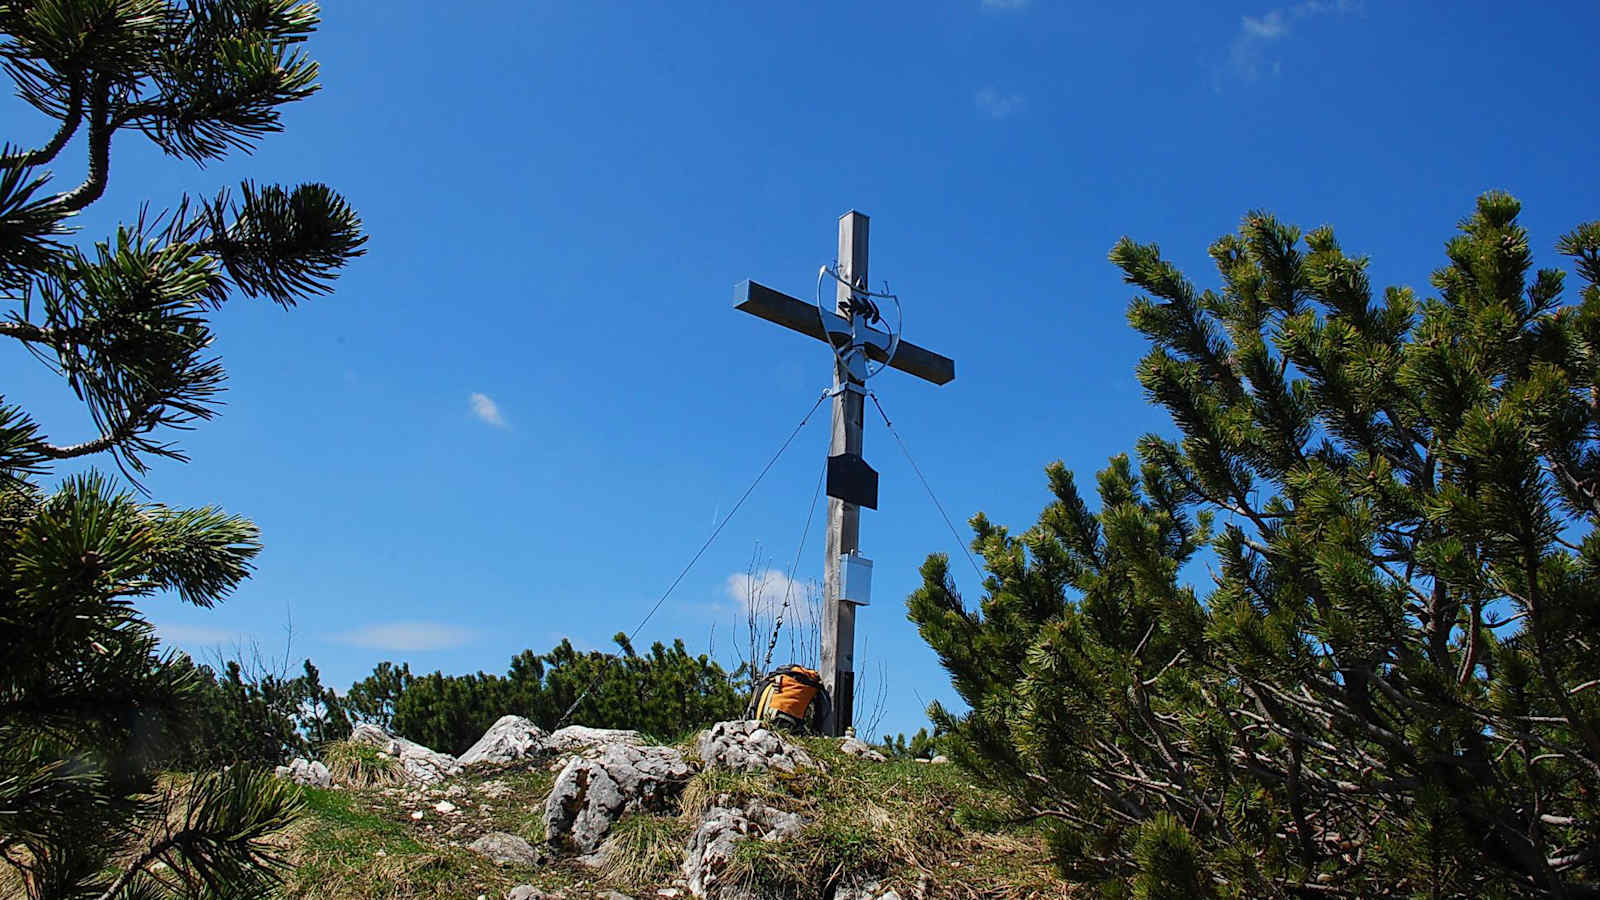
(867, 891)
(749, 747)
(590, 794)
(575, 738)
(856, 747)
(941, 759)
(367, 733)
(301, 771)
(419, 764)
(529, 892)
(507, 849)
(712, 846)
(510, 739)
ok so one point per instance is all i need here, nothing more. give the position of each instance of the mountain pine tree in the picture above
(319, 713)
(663, 693)
(1391, 685)
(88, 706)
(373, 699)
(240, 718)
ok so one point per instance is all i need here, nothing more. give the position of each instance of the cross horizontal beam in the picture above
(798, 315)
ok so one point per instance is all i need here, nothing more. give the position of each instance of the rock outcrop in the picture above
(855, 747)
(529, 892)
(721, 829)
(510, 739)
(507, 850)
(576, 738)
(749, 747)
(419, 764)
(591, 793)
(301, 771)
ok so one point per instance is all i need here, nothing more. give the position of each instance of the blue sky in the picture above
(523, 410)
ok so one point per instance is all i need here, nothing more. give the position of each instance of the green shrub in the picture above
(1389, 686)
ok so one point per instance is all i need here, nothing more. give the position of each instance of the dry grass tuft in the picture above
(645, 849)
(704, 789)
(361, 766)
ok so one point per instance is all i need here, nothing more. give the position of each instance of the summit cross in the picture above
(851, 482)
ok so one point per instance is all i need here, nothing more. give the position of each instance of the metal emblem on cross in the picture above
(851, 482)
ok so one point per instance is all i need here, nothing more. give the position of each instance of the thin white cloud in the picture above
(998, 104)
(174, 633)
(1313, 7)
(763, 591)
(1004, 4)
(1250, 53)
(1267, 28)
(484, 407)
(416, 636)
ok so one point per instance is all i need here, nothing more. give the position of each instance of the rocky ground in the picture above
(735, 812)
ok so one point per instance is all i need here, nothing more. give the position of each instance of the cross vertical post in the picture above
(844, 519)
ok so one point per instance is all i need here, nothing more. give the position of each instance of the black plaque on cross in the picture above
(850, 479)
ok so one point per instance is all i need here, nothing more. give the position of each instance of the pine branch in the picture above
(26, 331)
(223, 821)
(284, 244)
(28, 226)
(69, 127)
(1538, 617)
(100, 132)
(111, 440)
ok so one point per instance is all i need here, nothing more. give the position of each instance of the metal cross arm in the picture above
(798, 315)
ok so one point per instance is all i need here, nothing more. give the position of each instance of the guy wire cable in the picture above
(793, 568)
(925, 485)
(703, 547)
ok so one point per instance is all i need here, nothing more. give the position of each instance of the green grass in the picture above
(363, 844)
(339, 808)
(346, 850)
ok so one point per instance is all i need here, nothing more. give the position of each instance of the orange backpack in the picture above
(787, 697)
